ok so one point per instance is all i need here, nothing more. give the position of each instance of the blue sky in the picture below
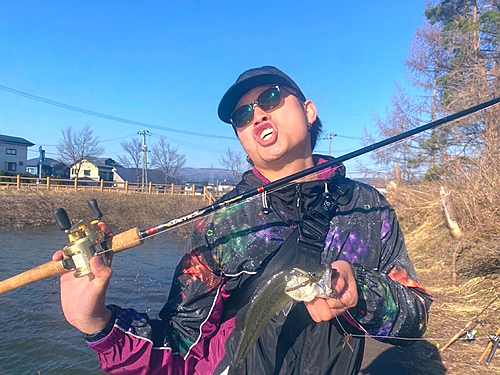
(168, 63)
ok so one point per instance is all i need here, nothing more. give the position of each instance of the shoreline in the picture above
(33, 210)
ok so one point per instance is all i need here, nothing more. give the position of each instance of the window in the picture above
(106, 176)
(86, 172)
(11, 167)
(20, 163)
(11, 151)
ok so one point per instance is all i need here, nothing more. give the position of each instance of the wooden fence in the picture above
(54, 184)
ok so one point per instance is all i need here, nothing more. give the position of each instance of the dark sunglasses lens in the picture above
(269, 99)
(242, 116)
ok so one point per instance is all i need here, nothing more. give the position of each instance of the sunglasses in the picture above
(267, 101)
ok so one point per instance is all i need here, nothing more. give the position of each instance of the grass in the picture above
(27, 210)
(431, 246)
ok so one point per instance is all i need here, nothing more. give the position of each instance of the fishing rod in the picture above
(87, 241)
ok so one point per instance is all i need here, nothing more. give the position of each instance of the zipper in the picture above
(297, 196)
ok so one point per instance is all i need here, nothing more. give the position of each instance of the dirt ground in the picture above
(430, 246)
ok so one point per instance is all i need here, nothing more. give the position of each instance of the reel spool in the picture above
(86, 241)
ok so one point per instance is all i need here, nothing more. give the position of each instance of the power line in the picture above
(191, 145)
(109, 117)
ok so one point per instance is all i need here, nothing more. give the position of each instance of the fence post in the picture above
(172, 190)
(102, 185)
(194, 190)
(150, 188)
(126, 187)
(48, 183)
(76, 183)
(18, 182)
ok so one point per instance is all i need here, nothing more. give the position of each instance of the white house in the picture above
(13, 153)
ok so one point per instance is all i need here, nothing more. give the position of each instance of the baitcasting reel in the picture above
(86, 241)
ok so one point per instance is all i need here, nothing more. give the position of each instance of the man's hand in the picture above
(83, 299)
(325, 309)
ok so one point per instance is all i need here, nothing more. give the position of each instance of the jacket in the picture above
(196, 332)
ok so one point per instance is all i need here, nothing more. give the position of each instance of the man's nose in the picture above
(260, 115)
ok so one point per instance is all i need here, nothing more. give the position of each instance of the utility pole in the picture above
(330, 137)
(41, 158)
(144, 158)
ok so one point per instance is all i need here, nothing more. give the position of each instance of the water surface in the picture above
(35, 337)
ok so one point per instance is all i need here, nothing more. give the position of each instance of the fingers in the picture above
(58, 256)
(344, 282)
(103, 227)
(320, 311)
(100, 270)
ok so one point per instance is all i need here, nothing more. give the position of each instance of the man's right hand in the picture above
(83, 299)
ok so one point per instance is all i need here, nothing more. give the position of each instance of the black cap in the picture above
(250, 79)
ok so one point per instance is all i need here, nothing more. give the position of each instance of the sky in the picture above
(166, 65)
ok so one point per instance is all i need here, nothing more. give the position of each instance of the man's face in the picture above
(279, 137)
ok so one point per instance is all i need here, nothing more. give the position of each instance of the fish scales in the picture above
(268, 300)
(300, 282)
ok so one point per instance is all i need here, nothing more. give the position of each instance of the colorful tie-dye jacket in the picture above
(195, 332)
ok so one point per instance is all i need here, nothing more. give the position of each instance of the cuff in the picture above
(106, 330)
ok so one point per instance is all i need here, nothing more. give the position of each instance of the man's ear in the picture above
(311, 111)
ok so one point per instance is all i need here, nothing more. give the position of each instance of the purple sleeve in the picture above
(181, 339)
(129, 349)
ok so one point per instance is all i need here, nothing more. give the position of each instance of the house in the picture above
(13, 153)
(50, 167)
(93, 168)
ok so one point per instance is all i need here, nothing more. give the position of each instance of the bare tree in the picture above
(234, 162)
(77, 145)
(168, 160)
(133, 158)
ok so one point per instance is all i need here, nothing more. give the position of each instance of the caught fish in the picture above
(302, 282)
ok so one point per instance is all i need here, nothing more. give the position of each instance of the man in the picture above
(325, 218)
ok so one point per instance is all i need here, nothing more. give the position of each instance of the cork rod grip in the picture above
(39, 273)
(126, 240)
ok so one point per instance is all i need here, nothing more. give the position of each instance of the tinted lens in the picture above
(242, 116)
(269, 99)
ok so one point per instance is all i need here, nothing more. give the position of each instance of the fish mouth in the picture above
(265, 134)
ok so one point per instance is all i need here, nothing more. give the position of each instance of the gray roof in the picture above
(102, 162)
(47, 162)
(15, 140)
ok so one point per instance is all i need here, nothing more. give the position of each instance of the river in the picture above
(35, 337)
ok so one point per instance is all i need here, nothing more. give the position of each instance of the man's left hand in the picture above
(325, 309)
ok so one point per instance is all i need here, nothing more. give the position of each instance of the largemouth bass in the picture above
(302, 282)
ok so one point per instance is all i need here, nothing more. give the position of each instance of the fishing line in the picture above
(405, 338)
(375, 148)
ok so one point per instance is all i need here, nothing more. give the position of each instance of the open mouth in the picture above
(267, 134)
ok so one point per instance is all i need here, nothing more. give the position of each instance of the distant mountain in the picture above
(209, 175)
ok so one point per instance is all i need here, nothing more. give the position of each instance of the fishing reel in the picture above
(86, 241)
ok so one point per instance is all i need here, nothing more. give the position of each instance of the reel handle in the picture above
(95, 209)
(62, 219)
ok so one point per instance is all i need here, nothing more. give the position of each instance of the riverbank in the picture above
(30, 210)
(431, 249)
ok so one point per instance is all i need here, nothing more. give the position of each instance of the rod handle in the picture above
(39, 273)
(126, 240)
(122, 241)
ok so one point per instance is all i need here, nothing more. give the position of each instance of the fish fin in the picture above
(288, 307)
